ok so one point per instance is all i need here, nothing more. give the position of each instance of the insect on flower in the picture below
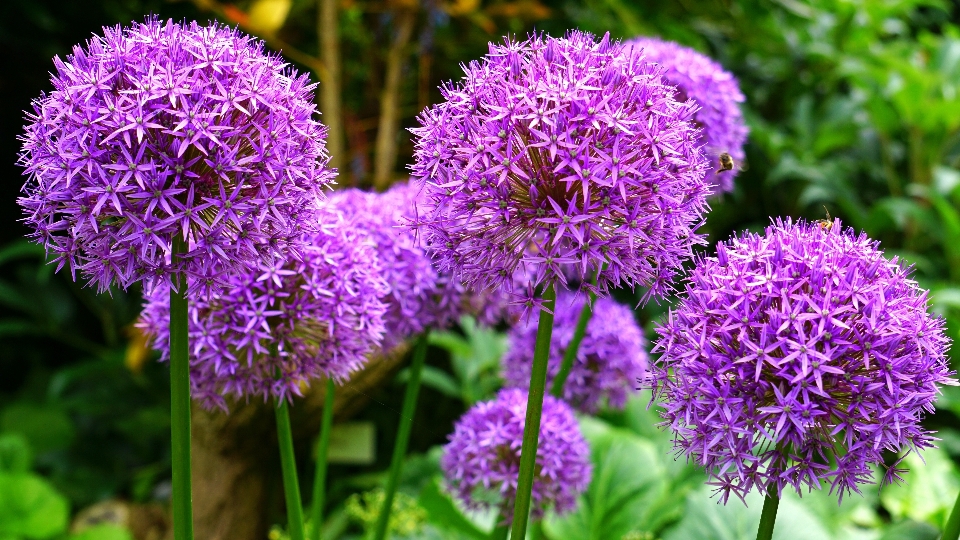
(716, 91)
(726, 163)
(825, 224)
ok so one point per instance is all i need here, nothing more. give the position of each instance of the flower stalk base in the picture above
(769, 515)
(320, 477)
(288, 463)
(531, 429)
(403, 435)
(180, 404)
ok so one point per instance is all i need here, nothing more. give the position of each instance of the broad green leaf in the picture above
(352, 442)
(435, 378)
(46, 428)
(911, 530)
(15, 454)
(103, 531)
(443, 513)
(30, 507)
(628, 480)
(451, 341)
(706, 519)
(950, 229)
(949, 399)
(929, 490)
(475, 359)
(945, 298)
(18, 327)
(21, 249)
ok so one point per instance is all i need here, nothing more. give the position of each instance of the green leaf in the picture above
(103, 531)
(943, 299)
(950, 229)
(17, 327)
(706, 519)
(475, 359)
(435, 378)
(629, 485)
(443, 513)
(21, 249)
(911, 530)
(46, 428)
(352, 442)
(929, 490)
(30, 507)
(451, 341)
(15, 455)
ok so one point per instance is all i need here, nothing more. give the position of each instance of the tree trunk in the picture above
(330, 102)
(386, 149)
(235, 456)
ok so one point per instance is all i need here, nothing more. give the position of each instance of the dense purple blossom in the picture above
(797, 357)
(274, 329)
(482, 460)
(610, 358)
(557, 156)
(715, 90)
(165, 129)
(420, 297)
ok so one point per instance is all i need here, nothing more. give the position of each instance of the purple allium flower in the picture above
(715, 90)
(554, 155)
(165, 129)
(798, 357)
(274, 329)
(610, 358)
(420, 297)
(482, 460)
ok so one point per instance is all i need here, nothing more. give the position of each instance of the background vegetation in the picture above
(853, 105)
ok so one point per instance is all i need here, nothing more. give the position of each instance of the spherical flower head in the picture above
(799, 357)
(165, 129)
(609, 361)
(421, 298)
(482, 460)
(562, 155)
(715, 90)
(273, 330)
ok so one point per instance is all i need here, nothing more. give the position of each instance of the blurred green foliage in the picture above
(853, 105)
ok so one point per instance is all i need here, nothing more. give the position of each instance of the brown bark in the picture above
(235, 455)
(386, 147)
(330, 102)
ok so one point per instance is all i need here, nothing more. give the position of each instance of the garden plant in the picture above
(446, 269)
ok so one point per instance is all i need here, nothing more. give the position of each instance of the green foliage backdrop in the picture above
(853, 106)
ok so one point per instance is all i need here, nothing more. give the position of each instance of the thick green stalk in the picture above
(769, 515)
(288, 462)
(180, 403)
(320, 478)
(403, 435)
(952, 530)
(571, 353)
(531, 426)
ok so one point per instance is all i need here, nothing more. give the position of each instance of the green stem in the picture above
(769, 515)
(288, 462)
(320, 479)
(952, 530)
(180, 403)
(570, 355)
(531, 426)
(403, 435)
